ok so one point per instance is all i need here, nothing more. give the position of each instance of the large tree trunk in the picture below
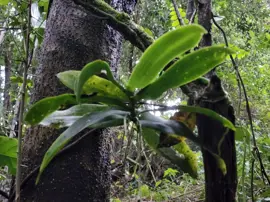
(73, 38)
(218, 187)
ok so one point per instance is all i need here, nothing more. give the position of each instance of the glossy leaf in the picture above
(8, 153)
(69, 78)
(92, 85)
(210, 113)
(90, 70)
(185, 163)
(103, 87)
(97, 119)
(46, 106)
(161, 52)
(187, 69)
(66, 118)
(104, 100)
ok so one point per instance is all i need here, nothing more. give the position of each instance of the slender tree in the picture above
(8, 65)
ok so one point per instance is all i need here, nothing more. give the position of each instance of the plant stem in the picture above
(179, 17)
(21, 110)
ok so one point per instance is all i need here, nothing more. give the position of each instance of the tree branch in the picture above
(179, 17)
(120, 21)
(4, 194)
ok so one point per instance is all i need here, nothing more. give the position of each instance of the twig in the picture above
(255, 150)
(193, 16)
(123, 24)
(26, 66)
(243, 170)
(251, 180)
(179, 17)
(148, 164)
(4, 194)
(187, 193)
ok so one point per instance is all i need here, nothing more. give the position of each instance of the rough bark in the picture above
(190, 8)
(204, 19)
(217, 186)
(73, 38)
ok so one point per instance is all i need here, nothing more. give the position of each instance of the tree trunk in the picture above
(218, 187)
(73, 38)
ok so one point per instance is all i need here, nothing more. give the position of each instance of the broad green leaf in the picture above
(69, 78)
(185, 70)
(210, 113)
(185, 163)
(104, 100)
(66, 118)
(242, 134)
(97, 119)
(103, 87)
(4, 2)
(46, 106)
(161, 52)
(8, 153)
(92, 85)
(90, 70)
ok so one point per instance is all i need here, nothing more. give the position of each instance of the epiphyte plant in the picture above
(103, 102)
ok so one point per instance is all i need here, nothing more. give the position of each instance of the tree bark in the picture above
(204, 19)
(73, 38)
(218, 187)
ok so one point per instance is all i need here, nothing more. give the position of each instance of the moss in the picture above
(123, 17)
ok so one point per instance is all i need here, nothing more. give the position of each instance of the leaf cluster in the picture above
(100, 102)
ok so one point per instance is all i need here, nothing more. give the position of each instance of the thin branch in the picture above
(119, 21)
(26, 66)
(4, 194)
(252, 180)
(256, 150)
(9, 28)
(193, 16)
(123, 24)
(179, 17)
